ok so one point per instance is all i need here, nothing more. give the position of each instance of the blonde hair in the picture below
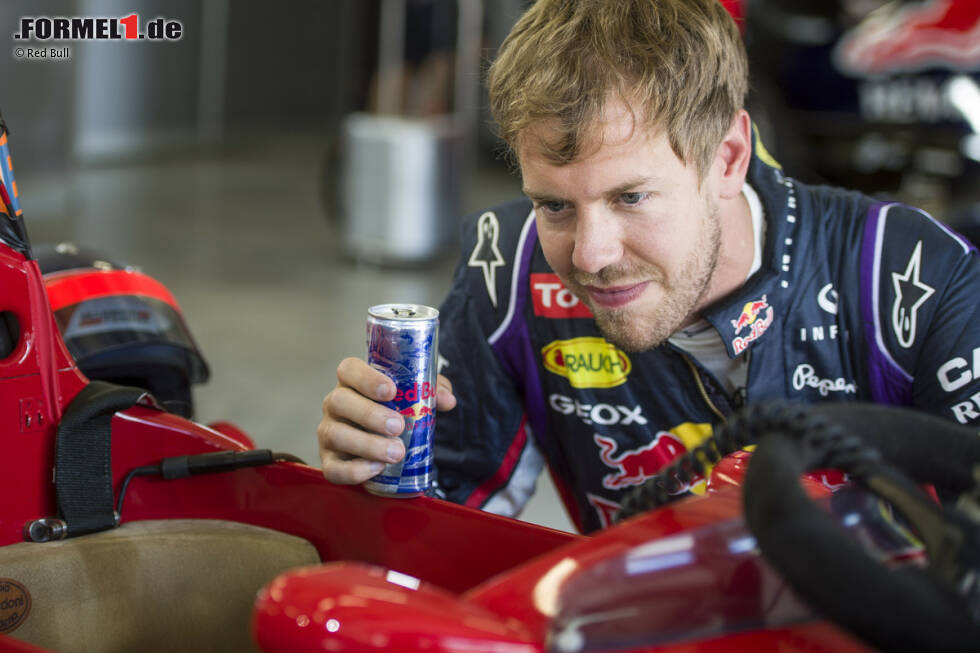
(679, 64)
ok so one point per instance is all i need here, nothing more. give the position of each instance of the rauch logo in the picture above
(587, 362)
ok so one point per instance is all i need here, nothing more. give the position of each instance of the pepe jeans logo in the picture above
(805, 377)
(587, 362)
(15, 604)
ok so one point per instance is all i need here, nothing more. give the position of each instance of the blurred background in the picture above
(282, 167)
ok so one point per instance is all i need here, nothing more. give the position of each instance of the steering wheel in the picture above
(886, 450)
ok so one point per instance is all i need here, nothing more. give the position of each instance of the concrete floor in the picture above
(243, 241)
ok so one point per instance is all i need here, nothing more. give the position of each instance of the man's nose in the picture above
(597, 241)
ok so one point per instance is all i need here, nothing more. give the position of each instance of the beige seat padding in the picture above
(168, 585)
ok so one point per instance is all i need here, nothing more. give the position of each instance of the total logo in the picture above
(587, 362)
(635, 466)
(753, 318)
(602, 414)
(552, 299)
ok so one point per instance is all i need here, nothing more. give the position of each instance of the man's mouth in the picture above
(616, 296)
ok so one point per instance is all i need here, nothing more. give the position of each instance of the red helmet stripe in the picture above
(72, 286)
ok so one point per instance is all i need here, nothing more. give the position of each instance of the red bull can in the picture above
(402, 342)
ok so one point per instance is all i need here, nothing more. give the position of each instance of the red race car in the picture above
(125, 527)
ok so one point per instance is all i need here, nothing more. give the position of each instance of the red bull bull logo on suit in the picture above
(753, 318)
(635, 466)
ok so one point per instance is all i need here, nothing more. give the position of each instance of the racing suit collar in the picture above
(744, 316)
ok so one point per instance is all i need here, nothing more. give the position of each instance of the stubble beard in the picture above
(642, 328)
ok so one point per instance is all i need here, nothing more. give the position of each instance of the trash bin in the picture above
(401, 174)
(401, 186)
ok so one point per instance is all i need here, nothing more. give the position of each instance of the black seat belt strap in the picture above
(83, 456)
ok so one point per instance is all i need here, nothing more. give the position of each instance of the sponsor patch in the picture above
(756, 316)
(634, 466)
(587, 362)
(804, 376)
(819, 333)
(827, 299)
(602, 414)
(486, 253)
(552, 299)
(910, 294)
(15, 604)
(967, 411)
(957, 372)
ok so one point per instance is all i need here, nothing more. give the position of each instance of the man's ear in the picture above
(734, 155)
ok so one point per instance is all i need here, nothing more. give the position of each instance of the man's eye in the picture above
(632, 198)
(553, 206)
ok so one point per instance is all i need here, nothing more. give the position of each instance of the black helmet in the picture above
(122, 326)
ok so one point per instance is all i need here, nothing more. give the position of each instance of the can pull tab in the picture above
(404, 312)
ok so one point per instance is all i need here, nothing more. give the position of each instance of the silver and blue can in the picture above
(403, 342)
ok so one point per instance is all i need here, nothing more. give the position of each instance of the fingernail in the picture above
(376, 468)
(382, 390)
(394, 452)
(393, 425)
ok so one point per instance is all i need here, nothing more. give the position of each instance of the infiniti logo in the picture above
(827, 299)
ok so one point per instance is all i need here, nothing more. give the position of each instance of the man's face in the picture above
(626, 227)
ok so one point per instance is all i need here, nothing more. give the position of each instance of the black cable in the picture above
(177, 467)
(138, 471)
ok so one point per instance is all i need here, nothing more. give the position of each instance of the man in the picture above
(664, 272)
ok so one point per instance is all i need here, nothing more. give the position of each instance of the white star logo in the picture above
(486, 253)
(910, 295)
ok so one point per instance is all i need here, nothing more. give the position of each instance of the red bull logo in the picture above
(417, 411)
(751, 317)
(634, 466)
(913, 36)
(416, 392)
(416, 402)
(750, 313)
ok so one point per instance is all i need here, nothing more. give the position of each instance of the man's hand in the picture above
(359, 436)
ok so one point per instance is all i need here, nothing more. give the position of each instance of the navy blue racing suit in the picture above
(856, 300)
